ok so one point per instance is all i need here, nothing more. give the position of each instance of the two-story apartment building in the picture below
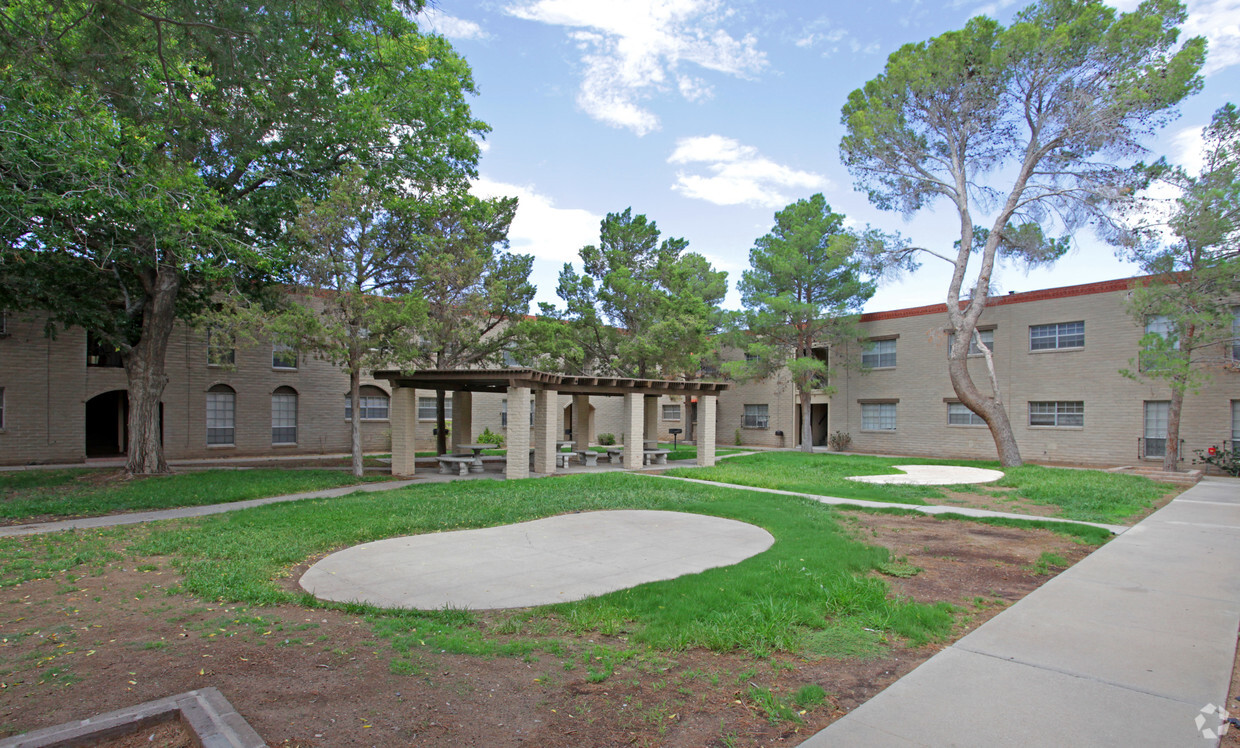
(1057, 354)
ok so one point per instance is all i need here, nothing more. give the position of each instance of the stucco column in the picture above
(581, 421)
(706, 431)
(518, 465)
(546, 426)
(462, 418)
(633, 432)
(403, 418)
(652, 418)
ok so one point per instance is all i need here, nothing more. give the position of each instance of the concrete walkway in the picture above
(923, 508)
(1125, 648)
(133, 518)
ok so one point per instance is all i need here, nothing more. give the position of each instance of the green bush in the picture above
(839, 441)
(1220, 457)
(738, 437)
(607, 440)
(490, 437)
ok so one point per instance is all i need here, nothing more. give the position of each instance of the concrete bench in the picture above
(656, 456)
(461, 462)
(562, 458)
(615, 454)
(588, 456)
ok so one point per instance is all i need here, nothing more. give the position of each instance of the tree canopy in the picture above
(153, 152)
(802, 294)
(1031, 125)
(642, 307)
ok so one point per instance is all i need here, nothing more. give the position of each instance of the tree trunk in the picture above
(441, 423)
(990, 409)
(147, 377)
(1171, 455)
(807, 421)
(355, 420)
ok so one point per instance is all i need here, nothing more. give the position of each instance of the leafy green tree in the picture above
(1188, 305)
(641, 308)
(1031, 123)
(802, 294)
(476, 294)
(347, 244)
(153, 152)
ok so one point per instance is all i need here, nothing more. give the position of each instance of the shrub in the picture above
(490, 437)
(738, 437)
(607, 440)
(839, 441)
(1220, 457)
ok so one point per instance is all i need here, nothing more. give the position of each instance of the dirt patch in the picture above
(169, 734)
(71, 648)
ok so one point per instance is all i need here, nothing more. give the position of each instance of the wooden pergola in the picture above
(641, 397)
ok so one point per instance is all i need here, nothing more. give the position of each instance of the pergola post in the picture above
(633, 429)
(518, 463)
(462, 418)
(581, 421)
(545, 428)
(403, 419)
(706, 430)
(651, 417)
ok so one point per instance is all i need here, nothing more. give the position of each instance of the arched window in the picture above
(374, 404)
(221, 415)
(284, 416)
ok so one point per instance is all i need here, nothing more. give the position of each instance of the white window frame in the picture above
(428, 411)
(373, 407)
(1154, 417)
(1162, 325)
(1057, 336)
(670, 408)
(1057, 414)
(221, 416)
(879, 417)
(988, 337)
(962, 415)
(284, 419)
(756, 416)
(879, 354)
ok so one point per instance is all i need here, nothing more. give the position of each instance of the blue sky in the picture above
(710, 115)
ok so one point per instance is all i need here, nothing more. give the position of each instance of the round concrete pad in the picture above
(550, 560)
(933, 475)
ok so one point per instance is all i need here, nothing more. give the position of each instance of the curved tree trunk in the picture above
(990, 409)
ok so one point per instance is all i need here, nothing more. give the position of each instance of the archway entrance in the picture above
(107, 433)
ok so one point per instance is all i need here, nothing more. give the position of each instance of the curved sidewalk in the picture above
(1125, 648)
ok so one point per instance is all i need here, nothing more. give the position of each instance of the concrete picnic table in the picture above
(476, 465)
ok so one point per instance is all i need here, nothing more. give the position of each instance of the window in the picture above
(752, 356)
(1162, 326)
(757, 416)
(221, 415)
(1235, 421)
(671, 412)
(284, 416)
(221, 350)
(2, 408)
(99, 353)
(878, 416)
(373, 402)
(1069, 413)
(283, 356)
(880, 354)
(958, 414)
(988, 337)
(1057, 335)
(1155, 442)
(1235, 333)
(503, 413)
(427, 410)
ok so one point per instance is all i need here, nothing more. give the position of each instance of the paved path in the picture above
(1125, 648)
(923, 508)
(133, 518)
(544, 561)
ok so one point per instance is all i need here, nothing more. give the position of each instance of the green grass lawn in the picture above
(1085, 495)
(86, 492)
(810, 593)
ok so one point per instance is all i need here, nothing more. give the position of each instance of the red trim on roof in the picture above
(1085, 289)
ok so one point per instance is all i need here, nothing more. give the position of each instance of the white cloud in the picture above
(631, 49)
(737, 174)
(1188, 145)
(540, 228)
(451, 27)
(1219, 22)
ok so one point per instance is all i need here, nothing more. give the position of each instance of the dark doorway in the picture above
(818, 424)
(106, 424)
(691, 429)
